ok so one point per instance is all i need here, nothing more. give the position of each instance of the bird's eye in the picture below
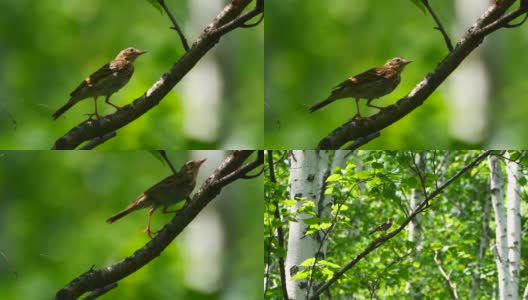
(398, 59)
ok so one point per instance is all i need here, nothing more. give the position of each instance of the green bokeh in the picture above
(48, 47)
(53, 207)
(311, 46)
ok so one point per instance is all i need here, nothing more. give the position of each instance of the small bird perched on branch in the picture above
(105, 81)
(171, 190)
(369, 85)
(383, 227)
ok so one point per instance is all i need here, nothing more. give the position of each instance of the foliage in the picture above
(375, 186)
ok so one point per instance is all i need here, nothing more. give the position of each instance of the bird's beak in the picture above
(141, 52)
(200, 162)
(406, 62)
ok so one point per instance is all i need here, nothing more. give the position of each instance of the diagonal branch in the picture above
(228, 19)
(490, 21)
(230, 170)
(383, 239)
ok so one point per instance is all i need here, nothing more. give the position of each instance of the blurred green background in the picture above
(53, 207)
(48, 47)
(312, 46)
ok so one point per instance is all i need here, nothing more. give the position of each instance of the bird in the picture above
(369, 85)
(170, 190)
(105, 81)
(383, 227)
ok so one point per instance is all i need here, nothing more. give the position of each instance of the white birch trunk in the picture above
(514, 227)
(500, 249)
(308, 170)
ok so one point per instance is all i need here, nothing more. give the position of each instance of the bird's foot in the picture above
(357, 117)
(149, 232)
(90, 116)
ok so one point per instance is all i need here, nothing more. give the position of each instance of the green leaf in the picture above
(330, 189)
(312, 221)
(300, 276)
(327, 273)
(156, 5)
(308, 262)
(325, 225)
(289, 202)
(420, 5)
(327, 263)
(334, 177)
(377, 165)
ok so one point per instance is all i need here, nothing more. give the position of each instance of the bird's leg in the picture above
(147, 230)
(358, 114)
(378, 107)
(108, 101)
(94, 114)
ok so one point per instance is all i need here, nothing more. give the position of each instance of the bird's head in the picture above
(191, 167)
(129, 54)
(397, 63)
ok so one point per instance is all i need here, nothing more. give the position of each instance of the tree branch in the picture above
(230, 170)
(490, 21)
(228, 19)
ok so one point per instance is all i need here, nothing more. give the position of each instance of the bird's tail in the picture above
(139, 203)
(120, 214)
(322, 104)
(63, 109)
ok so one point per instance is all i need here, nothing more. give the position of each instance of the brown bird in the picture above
(171, 190)
(369, 85)
(105, 81)
(383, 227)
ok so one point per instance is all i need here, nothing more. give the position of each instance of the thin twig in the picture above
(362, 141)
(517, 24)
(175, 27)
(239, 21)
(98, 141)
(260, 5)
(440, 27)
(101, 291)
(166, 158)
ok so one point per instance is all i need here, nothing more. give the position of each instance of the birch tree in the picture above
(507, 246)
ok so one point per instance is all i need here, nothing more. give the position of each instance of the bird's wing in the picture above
(103, 72)
(369, 76)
